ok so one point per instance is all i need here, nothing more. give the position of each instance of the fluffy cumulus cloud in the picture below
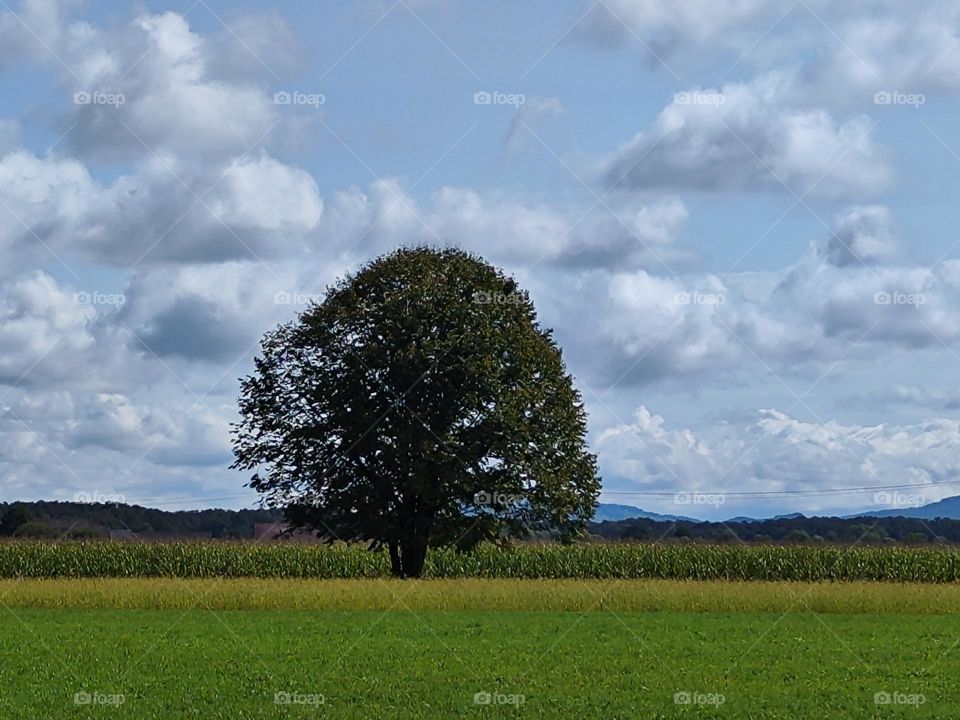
(159, 433)
(631, 233)
(213, 312)
(96, 381)
(845, 298)
(862, 235)
(252, 207)
(149, 87)
(154, 95)
(31, 30)
(745, 137)
(731, 467)
(38, 318)
(846, 52)
(61, 445)
(666, 26)
(907, 48)
(812, 317)
(82, 406)
(166, 210)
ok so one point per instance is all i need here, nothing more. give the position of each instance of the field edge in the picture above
(649, 595)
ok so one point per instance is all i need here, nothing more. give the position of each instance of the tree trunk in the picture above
(396, 569)
(413, 555)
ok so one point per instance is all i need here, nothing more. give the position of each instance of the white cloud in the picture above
(664, 25)
(169, 101)
(746, 137)
(40, 325)
(197, 187)
(909, 48)
(41, 205)
(167, 210)
(776, 452)
(862, 235)
(845, 52)
(625, 234)
(527, 116)
(148, 448)
(52, 336)
(163, 434)
(658, 327)
(30, 30)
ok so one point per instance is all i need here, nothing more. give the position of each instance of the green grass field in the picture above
(551, 649)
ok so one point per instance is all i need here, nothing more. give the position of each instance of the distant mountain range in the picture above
(613, 512)
(744, 518)
(946, 508)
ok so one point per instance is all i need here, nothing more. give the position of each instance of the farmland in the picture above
(597, 560)
(473, 594)
(225, 630)
(188, 643)
(408, 663)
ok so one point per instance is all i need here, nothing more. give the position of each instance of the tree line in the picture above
(90, 520)
(804, 530)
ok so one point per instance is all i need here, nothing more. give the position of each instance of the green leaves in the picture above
(419, 384)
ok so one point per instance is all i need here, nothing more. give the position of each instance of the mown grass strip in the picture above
(482, 595)
(417, 666)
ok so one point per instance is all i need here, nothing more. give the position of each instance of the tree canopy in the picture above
(419, 404)
(15, 517)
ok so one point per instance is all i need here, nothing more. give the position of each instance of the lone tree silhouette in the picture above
(420, 404)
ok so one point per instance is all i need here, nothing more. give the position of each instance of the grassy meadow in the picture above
(376, 648)
(291, 631)
(407, 663)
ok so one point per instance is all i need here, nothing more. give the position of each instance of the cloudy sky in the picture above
(740, 217)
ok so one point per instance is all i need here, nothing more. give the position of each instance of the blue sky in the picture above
(740, 217)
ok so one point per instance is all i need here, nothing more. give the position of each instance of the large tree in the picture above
(419, 404)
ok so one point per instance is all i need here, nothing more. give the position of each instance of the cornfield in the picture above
(599, 561)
